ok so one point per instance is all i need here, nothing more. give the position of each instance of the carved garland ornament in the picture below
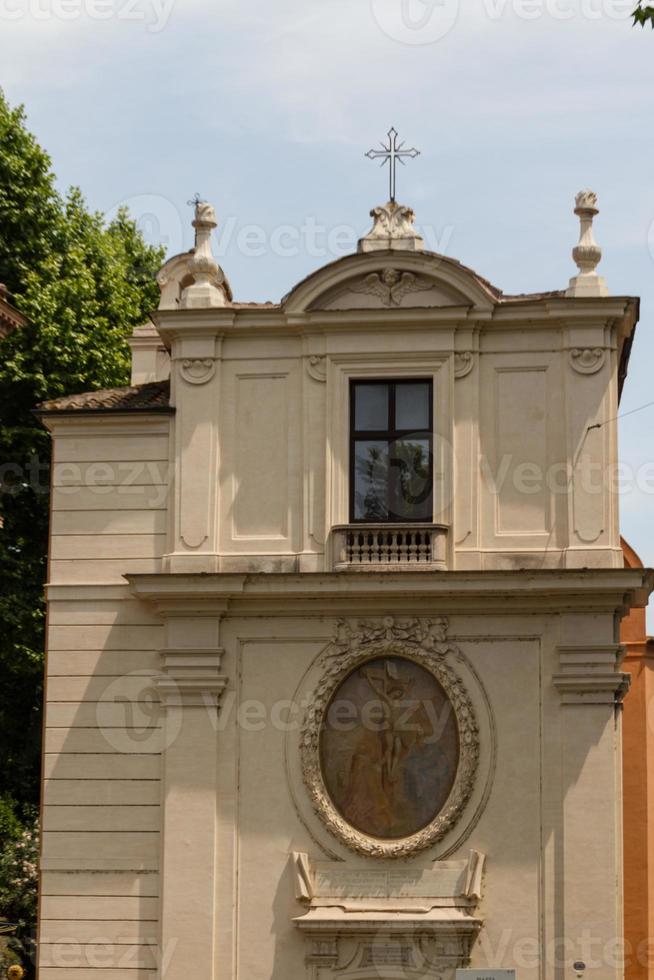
(424, 642)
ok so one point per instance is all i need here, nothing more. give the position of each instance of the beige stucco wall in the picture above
(191, 574)
(101, 737)
(544, 807)
(525, 398)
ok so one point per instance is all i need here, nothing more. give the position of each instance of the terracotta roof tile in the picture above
(9, 315)
(519, 297)
(152, 397)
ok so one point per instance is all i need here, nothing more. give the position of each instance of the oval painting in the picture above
(389, 748)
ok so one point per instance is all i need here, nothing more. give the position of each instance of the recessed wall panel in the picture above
(262, 457)
(521, 452)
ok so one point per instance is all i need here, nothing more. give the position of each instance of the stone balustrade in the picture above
(420, 547)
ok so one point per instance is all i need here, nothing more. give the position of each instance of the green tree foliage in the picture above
(29, 205)
(644, 14)
(84, 285)
(18, 894)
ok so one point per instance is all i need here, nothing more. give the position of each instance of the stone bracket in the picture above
(381, 947)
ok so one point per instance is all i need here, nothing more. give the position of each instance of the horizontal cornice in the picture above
(546, 591)
(236, 319)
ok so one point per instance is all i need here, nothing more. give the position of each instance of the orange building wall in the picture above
(638, 791)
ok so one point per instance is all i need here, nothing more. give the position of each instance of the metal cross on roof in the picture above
(390, 154)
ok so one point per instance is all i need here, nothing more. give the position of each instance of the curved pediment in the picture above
(391, 280)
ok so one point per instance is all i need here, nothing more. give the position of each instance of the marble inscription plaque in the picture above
(389, 748)
(386, 954)
(445, 880)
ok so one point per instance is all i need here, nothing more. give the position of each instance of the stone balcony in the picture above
(389, 547)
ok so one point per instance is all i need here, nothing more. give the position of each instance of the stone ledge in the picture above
(545, 591)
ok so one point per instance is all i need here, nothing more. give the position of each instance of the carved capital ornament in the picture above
(464, 361)
(317, 367)
(393, 656)
(587, 360)
(197, 370)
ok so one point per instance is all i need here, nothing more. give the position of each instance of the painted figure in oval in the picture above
(389, 748)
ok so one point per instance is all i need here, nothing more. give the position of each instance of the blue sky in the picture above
(267, 108)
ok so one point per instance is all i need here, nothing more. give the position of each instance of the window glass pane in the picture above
(370, 480)
(411, 480)
(370, 407)
(412, 405)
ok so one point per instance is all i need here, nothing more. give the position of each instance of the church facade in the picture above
(334, 672)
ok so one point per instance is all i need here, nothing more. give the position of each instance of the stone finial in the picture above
(208, 287)
(587, 253)
(392, 228)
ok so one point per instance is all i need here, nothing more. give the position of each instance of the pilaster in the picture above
(465, 442)
(590, 409)
(190, 686)
(195, 393)
(591, 686)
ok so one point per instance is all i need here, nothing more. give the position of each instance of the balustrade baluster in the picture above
(344, 551)
(399, 545)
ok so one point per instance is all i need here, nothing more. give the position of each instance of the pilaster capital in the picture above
(591, 675)
(191, 678)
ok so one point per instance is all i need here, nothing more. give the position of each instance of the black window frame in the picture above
(390, 434)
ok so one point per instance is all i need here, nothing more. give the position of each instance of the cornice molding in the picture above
(520, 313)
(109, 423)
(433, 593)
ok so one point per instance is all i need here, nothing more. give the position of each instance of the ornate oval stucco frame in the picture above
(425, 643)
